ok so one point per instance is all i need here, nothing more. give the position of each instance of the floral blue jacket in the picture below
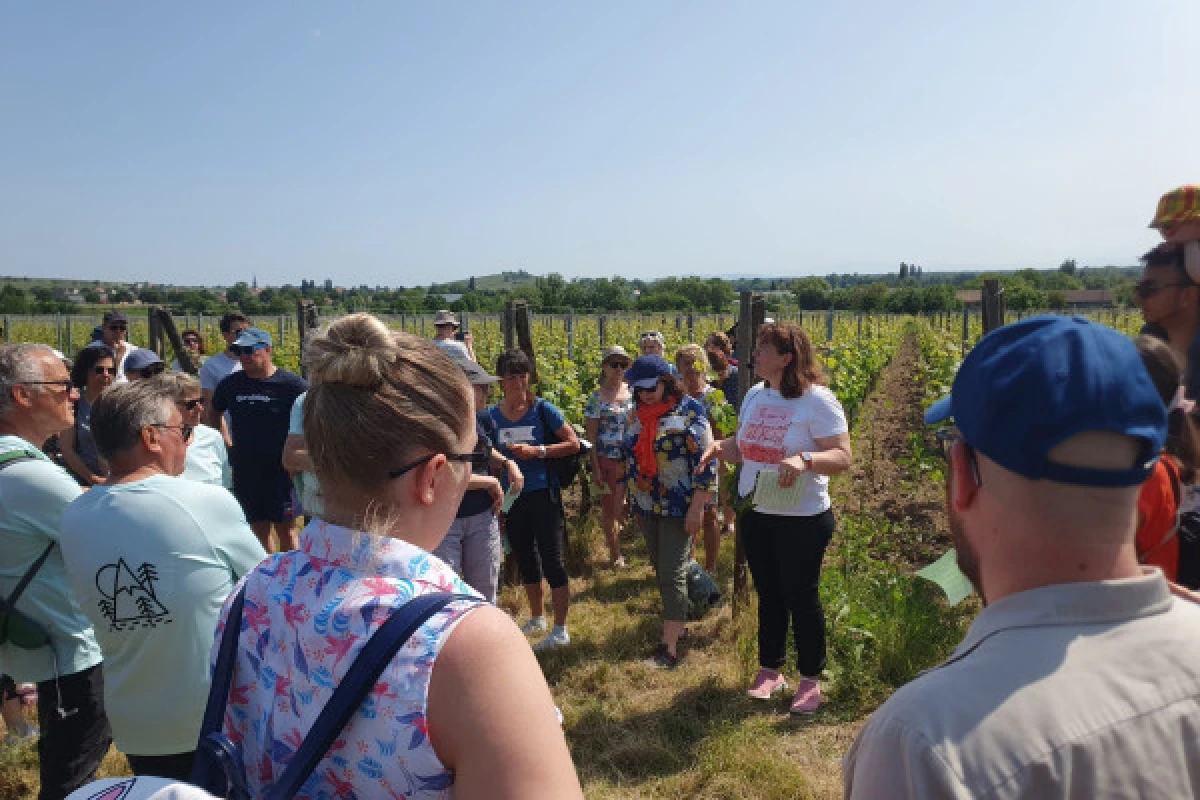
(683, 434)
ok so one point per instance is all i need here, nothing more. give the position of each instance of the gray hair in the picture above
(181, 383)
(18, 365)
(122, 411)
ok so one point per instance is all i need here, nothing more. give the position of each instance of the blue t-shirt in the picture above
(478, 501)
(261, 411)
(528, 430)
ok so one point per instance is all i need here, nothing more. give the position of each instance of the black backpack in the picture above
(562, 470)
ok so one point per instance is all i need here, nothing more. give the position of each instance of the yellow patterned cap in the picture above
(1176, 206)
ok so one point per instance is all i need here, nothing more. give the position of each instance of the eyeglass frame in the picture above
(1145, 289)
(150, 370)
(475, 459)
(99, 370)
(247, 349)
(947, 436)
(185, 431)
(65, 383)
(190, 405)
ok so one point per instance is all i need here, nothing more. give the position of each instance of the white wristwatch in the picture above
(543, 451)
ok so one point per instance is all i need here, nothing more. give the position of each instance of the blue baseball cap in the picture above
(646, 371)
(1027, 387)
(254, 336)
(141, 358)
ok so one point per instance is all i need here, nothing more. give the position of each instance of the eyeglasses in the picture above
(104, 370)
(67, 385)
(474, 459)
(1147, 289)
(641, 389)
(947, 437)
(154, 369)
(617, 364)
(190, 405)
(246, 349)
(185, 431)
(121, 326)
(191, 342)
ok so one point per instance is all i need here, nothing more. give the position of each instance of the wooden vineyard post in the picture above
(571, 336)
(753, 311)
(524, 326)
(966, 328)
(164, 332)
(7, 329)
(306, 325)
(691, 323)
(829, 328)
(602, 322)
(993, 305)
(507, 326)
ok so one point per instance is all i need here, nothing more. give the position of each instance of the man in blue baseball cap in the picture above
(1080, 654)
(259, 400)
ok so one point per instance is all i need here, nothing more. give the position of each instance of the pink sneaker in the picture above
(766, 683)
(808, 697)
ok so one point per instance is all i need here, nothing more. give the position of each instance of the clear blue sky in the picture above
(406, 142)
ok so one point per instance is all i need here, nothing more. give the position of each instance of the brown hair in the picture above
(1165, 372)
(190, 332)
(719, 342)
(803, 371)
(377, 399)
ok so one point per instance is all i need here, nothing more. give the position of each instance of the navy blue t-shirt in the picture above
(261, 412)
(527, 430)
(478, 501)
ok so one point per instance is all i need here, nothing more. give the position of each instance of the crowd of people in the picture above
(156, 594)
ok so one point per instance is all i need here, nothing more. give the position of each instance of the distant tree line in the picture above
(906, 290)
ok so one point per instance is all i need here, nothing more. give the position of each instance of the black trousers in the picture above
(535, 530)
(177, 767)
(784, 555)
(75, 735)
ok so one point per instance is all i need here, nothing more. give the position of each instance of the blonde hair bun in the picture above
(356, 350)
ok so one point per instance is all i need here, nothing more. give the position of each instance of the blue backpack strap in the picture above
(216, 768)
(358, 681)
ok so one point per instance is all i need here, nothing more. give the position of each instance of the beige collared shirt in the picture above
(1079, 690)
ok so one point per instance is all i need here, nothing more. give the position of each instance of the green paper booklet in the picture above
(770, 496)
(949, 578)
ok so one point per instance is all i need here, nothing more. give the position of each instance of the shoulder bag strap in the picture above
(358, 681)
(7, 460)
(218, 693)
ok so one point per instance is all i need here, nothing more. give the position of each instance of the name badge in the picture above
(522, 434)
(672, 424)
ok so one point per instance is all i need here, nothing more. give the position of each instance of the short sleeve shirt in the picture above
(477, 501)
(610, 417)
(33, 496)
(682, 436)
(217, 369)
(453, 348)
(528, 430)
(307, 486)
(151, 563)
(772, 428)
(207, 459)
(261, 412)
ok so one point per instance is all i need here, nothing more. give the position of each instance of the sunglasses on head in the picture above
(104, 370)
(246, 349)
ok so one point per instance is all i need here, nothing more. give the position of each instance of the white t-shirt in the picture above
(453, 348)
(151, 562)
(217, 369)
(771, 428)
(207, 458)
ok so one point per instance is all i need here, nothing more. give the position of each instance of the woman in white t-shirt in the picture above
(792, 435)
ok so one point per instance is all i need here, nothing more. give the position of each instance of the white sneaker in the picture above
(557, 638)
(534, 625)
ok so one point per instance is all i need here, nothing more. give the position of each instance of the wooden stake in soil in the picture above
(753, 311)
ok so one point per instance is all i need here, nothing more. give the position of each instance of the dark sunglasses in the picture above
(190, 405)
(120, 326)
(190, 342)
(246, 350)
(474, 459)
(104, 370)
(1147, 289)
(154, 369)
(185, 431)
(947, 437)
(617, 364)
(640, 389)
